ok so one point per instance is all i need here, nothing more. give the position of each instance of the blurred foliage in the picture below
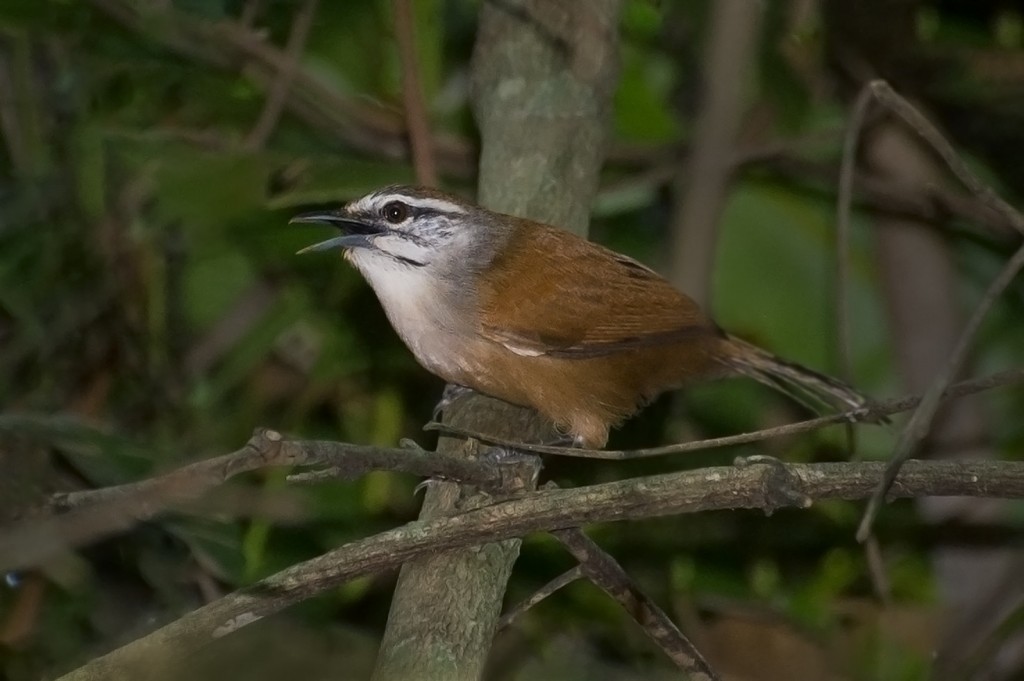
(152, 311)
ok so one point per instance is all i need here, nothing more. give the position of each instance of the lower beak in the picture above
(358, 234)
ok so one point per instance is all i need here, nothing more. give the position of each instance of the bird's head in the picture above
(402, 227)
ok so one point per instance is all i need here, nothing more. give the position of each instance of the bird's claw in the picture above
(452, 392)
(425, 485)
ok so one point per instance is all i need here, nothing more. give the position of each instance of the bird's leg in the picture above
(452, 392)
(565, 440)
(506, 454)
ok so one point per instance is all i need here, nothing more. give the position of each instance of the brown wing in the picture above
(559, 295)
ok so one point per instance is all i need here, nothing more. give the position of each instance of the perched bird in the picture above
(537, 316)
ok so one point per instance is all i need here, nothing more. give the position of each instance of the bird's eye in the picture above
(395, 212)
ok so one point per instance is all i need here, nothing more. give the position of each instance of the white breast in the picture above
(418, 310)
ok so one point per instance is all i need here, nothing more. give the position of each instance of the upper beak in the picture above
(356, 233)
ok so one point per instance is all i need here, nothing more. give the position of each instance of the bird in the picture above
(537, 316)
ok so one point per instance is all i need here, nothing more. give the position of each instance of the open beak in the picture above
(355, 233)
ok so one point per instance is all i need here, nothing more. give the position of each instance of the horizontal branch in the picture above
(765, 486)
(93, 514)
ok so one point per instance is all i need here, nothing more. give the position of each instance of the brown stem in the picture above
(417, 121)
(604, 571)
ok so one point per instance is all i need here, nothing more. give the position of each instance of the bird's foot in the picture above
(780, 488)
(522, 467)
(500, 454)
(452, 392)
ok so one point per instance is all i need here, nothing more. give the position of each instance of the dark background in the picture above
(152, 311)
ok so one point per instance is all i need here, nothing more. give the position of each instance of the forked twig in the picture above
(605, 572)
(278, 95)
(898, 105)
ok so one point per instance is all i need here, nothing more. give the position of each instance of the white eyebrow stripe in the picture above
(439, 205)
(374, 203)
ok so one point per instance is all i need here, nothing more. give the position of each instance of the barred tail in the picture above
(806, 386)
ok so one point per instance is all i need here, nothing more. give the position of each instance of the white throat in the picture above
(420, 308)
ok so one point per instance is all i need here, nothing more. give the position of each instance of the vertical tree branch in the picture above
(543, 77)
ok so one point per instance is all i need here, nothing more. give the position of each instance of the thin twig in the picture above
(559, 582)
(880, 581)
(267, 448)
(888, 407)
(843, 203)
(416, 119)
(604, 571)
(920, 422)
(274, 105)
(920, 201)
